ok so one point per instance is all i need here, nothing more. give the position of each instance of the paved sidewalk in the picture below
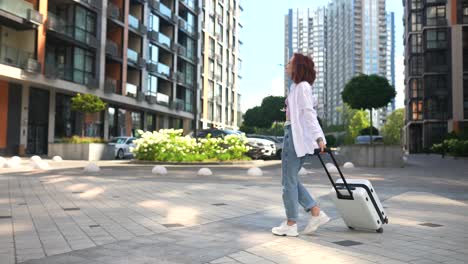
(126, 215)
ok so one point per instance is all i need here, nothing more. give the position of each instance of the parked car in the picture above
(366, 139)
(278, 142)
(122, 146)
(255, 152)
(215, 133)
(268, 147)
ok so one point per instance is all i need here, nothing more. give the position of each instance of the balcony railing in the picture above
(132, 55)
(22, 9)
(183, 51)
(134, 23)
(186, 26)
(131, 90)
(160, 38)
(178, 104)
(14, 56)
(164, 69)
(112, 48)
(162, 99)
(57, 24)
(165, 10)
(110, 85)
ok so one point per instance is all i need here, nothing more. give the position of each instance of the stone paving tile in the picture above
(122, 220)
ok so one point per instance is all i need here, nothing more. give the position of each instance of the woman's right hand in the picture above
(322, 146)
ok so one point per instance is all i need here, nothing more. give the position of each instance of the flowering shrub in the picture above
(170, 145)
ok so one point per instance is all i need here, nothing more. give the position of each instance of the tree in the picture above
(346, 114)
(271, 108)
(267, 114)
(368, 92)
(391, 131)
(87, 104)
(367, 131)
(358, 122)
(254, 118)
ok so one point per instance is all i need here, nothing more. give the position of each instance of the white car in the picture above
(122, 146)
(268, 147)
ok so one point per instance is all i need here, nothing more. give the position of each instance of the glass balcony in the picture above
(162, 99)
(133, 22)
(131, 89)
(163, 39)
(186, 26)
(132, 55)
(189, 3)
(165, 10)
(14, 56)
(22, 9)
(164, 69)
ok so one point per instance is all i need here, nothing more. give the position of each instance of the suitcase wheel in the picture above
(351, 228)
(386, 220)
(380, 230)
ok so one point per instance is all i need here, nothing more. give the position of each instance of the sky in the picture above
(263, 48)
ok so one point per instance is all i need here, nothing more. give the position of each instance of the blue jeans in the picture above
(293, 190)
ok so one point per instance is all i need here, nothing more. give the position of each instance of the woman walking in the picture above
(302, 135)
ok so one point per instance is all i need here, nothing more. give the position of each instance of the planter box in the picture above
(377, 155)
(91, 152)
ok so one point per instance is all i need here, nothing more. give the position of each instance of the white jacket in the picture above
(303, 117)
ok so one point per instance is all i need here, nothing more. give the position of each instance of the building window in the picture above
(83, 66)
(65, 118)
(437, 94)
(136, 122)
(153, 53)
(416, 110)
(150, 122)
(85, 24)
(416, 21)
(465, 95)
(416, 43)
(416, 89)
(436, 15)
(416, 65)
(464, 12)
(152, 85)
(153, 23)
(93, 125)
(436, 39)
(436, 61)
(188, 101)
(465, 48)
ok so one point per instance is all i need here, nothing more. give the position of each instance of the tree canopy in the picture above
(368, 92)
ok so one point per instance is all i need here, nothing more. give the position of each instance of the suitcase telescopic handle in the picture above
(317, 152)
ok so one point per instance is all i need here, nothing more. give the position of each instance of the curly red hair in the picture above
(303, 69)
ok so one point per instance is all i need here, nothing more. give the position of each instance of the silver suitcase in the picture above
(357, 201)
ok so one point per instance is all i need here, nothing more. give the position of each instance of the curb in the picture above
(197, 163)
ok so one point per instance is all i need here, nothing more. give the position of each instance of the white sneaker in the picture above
(315, 222)
(285, 230)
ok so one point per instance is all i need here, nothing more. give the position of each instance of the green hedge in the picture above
(170, 145)
(82, 140)
(453, 146)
